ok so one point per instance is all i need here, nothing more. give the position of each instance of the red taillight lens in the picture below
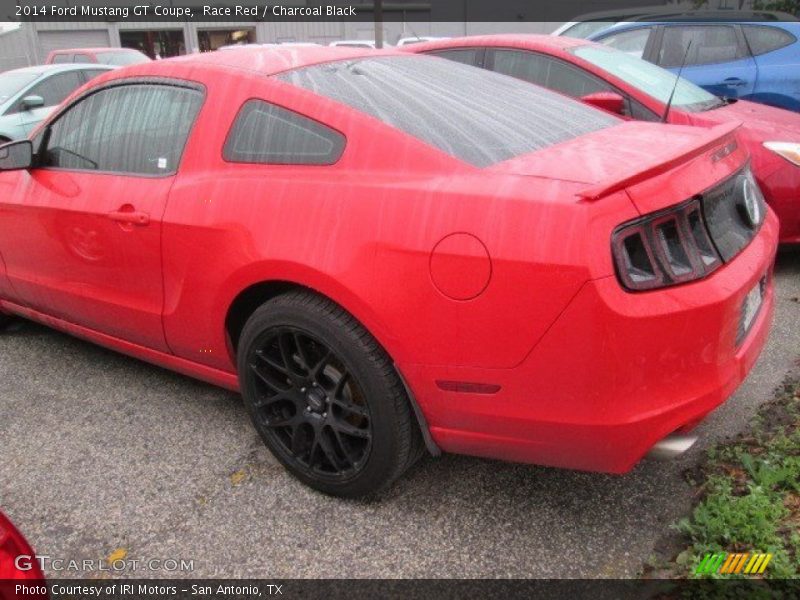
(665, 248)
(17, 560)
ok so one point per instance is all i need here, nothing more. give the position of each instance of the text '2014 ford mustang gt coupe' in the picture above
(387, 252)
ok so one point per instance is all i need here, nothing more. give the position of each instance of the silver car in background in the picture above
(28, 95)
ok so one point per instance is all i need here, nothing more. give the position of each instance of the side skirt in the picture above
(223, 379)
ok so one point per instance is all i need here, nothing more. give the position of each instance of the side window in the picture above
(267, 134)
(81, 58)
(548, 72)
(763, 39)
(53, 89)
(632, 41)
(467, 56)
(710, 44)
(89, 74)
(62, 58)
(139, 129)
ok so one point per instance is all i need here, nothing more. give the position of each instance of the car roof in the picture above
(793, 26)
(531, 41)
(92, 50)
(46, 69)
(269, 60)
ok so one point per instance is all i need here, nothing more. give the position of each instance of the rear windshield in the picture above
(475, 115)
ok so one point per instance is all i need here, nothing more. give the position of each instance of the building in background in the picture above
(30, 43)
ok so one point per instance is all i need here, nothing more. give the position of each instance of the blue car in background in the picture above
(757, 61)
(28, 95)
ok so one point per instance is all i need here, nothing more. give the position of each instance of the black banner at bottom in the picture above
(333, 589)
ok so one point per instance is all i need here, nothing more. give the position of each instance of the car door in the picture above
(777, 55)
(82, 231)
(717, 60)
(53, 89)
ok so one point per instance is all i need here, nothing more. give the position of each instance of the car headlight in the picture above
(788, 150)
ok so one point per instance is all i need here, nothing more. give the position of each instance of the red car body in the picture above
(778, 177)
(492, 289)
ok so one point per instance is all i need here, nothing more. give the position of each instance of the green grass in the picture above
(750, 495)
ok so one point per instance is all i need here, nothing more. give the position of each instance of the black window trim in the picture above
(162, 81)
(274, 165)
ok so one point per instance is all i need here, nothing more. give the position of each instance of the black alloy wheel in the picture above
(325, 397)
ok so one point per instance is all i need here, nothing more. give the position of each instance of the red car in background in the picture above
(627, 85)
(119, 57)
(384, 251)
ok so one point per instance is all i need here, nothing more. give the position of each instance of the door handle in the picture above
(129, 216)
(734, 82)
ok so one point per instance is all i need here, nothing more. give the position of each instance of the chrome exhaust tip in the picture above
(671, 447)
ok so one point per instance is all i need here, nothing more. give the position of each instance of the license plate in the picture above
(752, 304)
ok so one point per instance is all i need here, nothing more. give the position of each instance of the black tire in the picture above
(4, 321)
(325, 397)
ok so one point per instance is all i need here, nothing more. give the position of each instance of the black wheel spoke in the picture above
(266, 380)
(351, 430)
(352, 408)
(272, 363)
(328, 451)
(264, 401)
(343, 447)
(316, 372)
(300, 352)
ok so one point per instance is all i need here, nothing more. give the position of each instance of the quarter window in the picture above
(710, 44)
(139, 129)
(763, 39)
(267, 134)
(467, 56)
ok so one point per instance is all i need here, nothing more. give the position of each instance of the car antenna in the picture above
(677, 81)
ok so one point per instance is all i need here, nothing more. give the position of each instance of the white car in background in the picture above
(355, 43)
(407, 41)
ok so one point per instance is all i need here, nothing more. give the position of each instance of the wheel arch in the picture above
(257, 293)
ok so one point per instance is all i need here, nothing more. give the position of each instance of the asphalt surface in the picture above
(99, 452)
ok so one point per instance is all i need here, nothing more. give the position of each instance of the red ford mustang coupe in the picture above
(385, 252)
(637, 89)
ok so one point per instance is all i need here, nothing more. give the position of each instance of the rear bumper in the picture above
(615, 373)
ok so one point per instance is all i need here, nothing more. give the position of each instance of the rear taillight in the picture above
(664, 248)
(17, 560)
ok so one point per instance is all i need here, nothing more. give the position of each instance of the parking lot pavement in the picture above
(101, 452)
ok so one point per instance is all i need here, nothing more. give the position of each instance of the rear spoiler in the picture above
(721, 135)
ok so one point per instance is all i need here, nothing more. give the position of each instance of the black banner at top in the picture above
(336, 10)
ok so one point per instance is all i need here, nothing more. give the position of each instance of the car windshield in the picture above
(12, 83)
(585, 29)
(121, 58)
(648, 78)
(472, 114)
